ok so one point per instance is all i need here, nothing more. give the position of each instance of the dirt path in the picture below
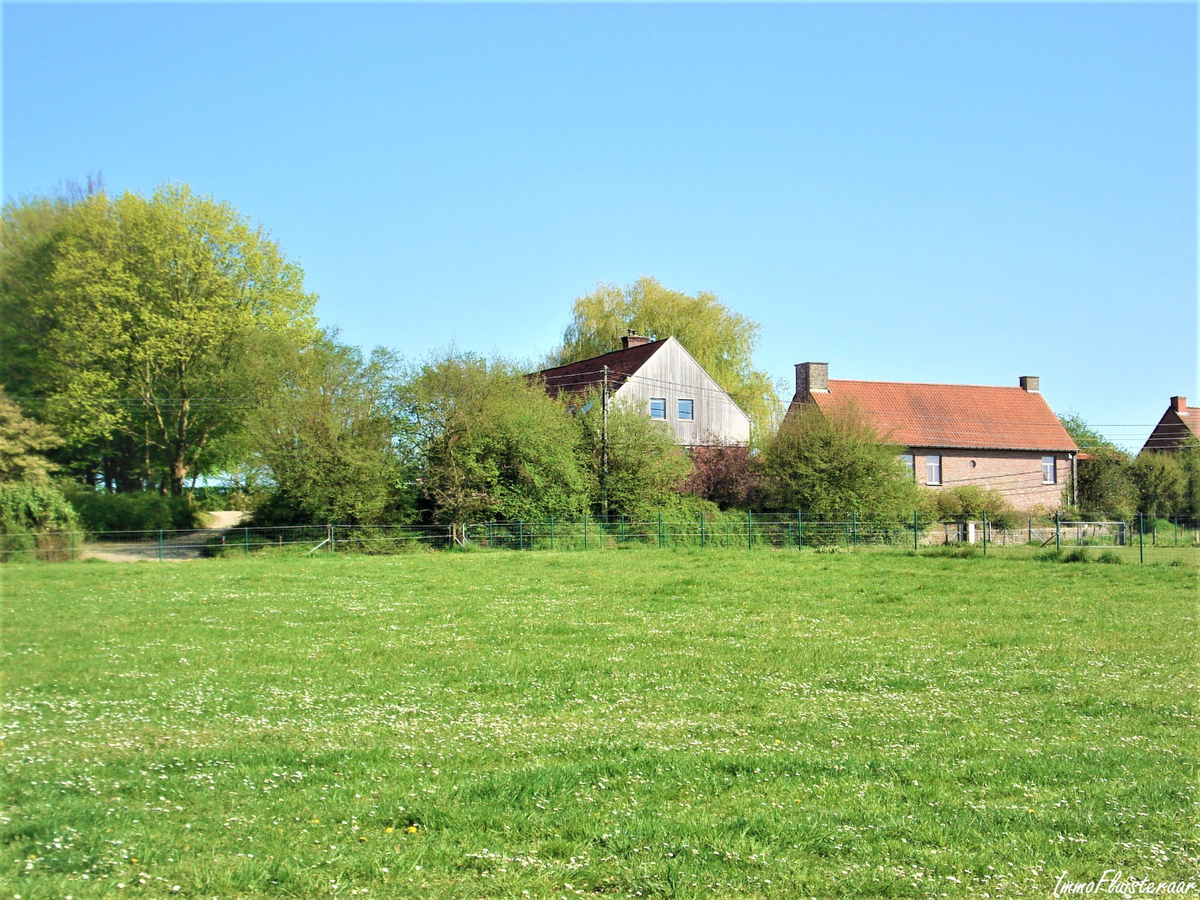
(180, 546)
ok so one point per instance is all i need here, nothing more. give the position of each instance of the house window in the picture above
(1049, 470)
(910, 464)
(685, 410)
(658, 407)
(933, 469)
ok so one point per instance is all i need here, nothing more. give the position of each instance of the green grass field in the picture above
(641, 723)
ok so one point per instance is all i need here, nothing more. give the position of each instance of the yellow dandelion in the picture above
(362, 838)
(411, 829)
(388, 830)
(316, 821)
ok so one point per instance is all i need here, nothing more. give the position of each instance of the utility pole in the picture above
(604, 446)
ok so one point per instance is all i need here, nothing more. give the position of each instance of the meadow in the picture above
(640, 724)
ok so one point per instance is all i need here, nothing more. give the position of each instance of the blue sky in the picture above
(943, 192)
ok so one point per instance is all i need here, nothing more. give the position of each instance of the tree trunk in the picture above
(179, 471)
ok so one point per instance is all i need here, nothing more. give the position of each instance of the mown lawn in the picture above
(641, 723)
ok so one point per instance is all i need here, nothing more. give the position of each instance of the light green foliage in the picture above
(646, 470)
(34, 508)
(721, 340)
(154, 325)
(23, 445)
(678, 724)
(830, 465)
(326, 438)
(489, 443)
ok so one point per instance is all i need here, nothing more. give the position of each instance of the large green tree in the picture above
(830, 464)
(144, 328)
(327, 439)
(646, 471)
(488, 442)
(1105, 475)
(721, 340)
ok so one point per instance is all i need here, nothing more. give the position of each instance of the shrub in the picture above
(970, 502)
(134, 511)
(31, 516)
(828, 464)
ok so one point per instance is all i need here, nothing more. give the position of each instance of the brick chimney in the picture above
(810, 377)
(633, 339)
(1031, 383)
(1179, 404)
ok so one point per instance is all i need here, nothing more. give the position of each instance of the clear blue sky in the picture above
(944, 192)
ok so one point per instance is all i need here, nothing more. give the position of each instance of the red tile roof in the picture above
(579, 377)
(952, 415)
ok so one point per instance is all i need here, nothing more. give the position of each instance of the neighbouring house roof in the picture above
(1179, 424)
(587, 374)
(952, 415)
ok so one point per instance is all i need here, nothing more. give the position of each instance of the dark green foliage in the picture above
(31, 515)
(831, 464)
(1106, 486)
(133, 511)
(646, 470)
(1161, 483)
(487, 443)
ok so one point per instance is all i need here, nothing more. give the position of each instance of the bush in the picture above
(829, 463)
(31, 518)
(971, 502)
(135, 511)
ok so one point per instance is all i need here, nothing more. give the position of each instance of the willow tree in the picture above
(721, 340)
(144, 329)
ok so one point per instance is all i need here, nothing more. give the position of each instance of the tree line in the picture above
(151, 346)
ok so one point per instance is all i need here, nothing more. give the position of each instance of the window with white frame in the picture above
(933, 469)
(685, 410)
(910, 463)
(1049, 470)
(658, 407)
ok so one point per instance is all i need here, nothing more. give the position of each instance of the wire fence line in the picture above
(753, 531)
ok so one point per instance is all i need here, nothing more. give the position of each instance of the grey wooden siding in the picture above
(673, 375)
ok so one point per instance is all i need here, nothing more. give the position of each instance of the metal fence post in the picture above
(1029, 537)
(854, 528)
(552, 532)
(1141, 537)
(799, 527)
(1057, 533)
(246, 541)
(585, 518)
(702, 531)
(985, 534)
(749, 529)
(661, 536)
(72, 546)
(160, 544)
(915, 530)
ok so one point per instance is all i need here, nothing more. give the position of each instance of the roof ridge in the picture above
(637, 347)
(1005, 387)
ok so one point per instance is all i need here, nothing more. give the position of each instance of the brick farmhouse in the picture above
(1179, 426)
(1005, 438)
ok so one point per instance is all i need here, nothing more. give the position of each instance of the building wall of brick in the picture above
(1016, 474)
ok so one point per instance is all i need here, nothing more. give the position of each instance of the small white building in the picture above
(663, 380)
